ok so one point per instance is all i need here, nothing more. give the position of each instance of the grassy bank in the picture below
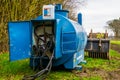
(115, 42)
(95, 69)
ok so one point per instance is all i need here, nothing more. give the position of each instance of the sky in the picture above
(97, 12)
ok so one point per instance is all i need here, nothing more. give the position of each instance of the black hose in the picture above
(46, 70)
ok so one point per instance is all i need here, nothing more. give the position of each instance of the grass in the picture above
(13, 70)
(62, 75)
(115, 42)
(92, 78)
(93, 70)
(107, 65)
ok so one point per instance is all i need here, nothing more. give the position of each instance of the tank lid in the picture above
(58, 7)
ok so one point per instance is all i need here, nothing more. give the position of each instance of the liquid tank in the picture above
(68, 39)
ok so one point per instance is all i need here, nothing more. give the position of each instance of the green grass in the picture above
(115, 42)
(62, 75)
(16, 70)
(108, 65)
(13, 70)
(92, 78)
(114, 54)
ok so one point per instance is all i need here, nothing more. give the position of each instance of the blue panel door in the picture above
(19, 40)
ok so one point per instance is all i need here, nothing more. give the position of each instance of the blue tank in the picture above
(69, 38)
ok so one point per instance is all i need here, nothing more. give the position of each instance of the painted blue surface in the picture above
(58, 7)
(20, 40)
(58, 10)
(80, 18)
(62, 12)
(70, 40)
(45, 12)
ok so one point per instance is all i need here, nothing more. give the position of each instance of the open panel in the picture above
(43, 31)
(19, 40)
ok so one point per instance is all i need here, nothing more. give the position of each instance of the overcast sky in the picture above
(97, 12)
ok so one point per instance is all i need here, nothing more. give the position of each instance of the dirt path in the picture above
(115, 47)
(105, 75)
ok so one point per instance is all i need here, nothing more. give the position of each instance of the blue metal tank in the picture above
(69, 38)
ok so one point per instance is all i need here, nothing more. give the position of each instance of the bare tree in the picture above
(114, 25)
(71, 5)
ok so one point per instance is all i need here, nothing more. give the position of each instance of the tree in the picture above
(114, 25)
(72, 6)
(20, 10)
